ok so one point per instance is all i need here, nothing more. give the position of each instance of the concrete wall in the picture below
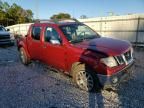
(19, 28)
(127, 27)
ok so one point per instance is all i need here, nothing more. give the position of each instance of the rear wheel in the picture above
(23, 56)
(85, 78)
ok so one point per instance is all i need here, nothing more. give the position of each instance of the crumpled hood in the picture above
(108, 46)
(4, 33)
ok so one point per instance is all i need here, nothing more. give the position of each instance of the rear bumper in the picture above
(114, 80)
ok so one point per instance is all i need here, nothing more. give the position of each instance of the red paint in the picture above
(64, 55)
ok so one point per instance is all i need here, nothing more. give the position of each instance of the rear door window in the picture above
(36, 31)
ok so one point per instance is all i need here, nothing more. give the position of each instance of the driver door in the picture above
(53, 50)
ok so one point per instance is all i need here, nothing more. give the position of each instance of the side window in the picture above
(36, 33)
(52, 36)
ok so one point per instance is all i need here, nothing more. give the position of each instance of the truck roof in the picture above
(57, 23)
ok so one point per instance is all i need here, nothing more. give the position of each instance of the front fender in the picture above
(23, 44)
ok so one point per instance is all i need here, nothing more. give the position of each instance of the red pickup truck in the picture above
(75, 49)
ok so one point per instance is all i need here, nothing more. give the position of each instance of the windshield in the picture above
(76, 33)
(2, 29)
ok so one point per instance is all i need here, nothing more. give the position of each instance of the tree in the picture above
(3, 12)
(61, 16)
(6, 6)
(29, 15)
(14, 14)
(83, 17)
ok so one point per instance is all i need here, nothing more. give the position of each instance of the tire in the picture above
(85, 78)
(23, 56)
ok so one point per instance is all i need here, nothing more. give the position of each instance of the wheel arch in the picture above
(74, 65)
(87, 65)
(22, 45)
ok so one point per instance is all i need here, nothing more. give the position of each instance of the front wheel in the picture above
(85, 78)
(23, 56)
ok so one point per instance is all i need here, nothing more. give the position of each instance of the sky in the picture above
(44, 9)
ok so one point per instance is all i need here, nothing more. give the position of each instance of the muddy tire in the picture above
(23, 56)
(85, 78)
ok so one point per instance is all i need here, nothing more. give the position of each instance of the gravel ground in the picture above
(36, 86)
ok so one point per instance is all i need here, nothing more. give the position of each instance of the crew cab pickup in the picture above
(75, 49)
(6, 38)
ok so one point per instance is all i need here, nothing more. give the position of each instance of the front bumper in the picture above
(6, 42)
(114, 80)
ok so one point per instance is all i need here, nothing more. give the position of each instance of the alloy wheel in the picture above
(85, 80)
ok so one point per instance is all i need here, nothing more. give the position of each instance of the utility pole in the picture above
(137, 31)
(111, 13)
(37, 9)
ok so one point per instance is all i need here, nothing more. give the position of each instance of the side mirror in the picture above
(55, 42)
(8, 29)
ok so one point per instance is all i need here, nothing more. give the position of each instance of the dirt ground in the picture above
(35, 86)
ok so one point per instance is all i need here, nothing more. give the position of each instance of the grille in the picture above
(5, 40)
(128, 55)
(124, 58)
(120, 59)
(4, 37)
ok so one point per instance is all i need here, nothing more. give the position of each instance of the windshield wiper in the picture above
(83, 39)
(89, 37)
(76, 40)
